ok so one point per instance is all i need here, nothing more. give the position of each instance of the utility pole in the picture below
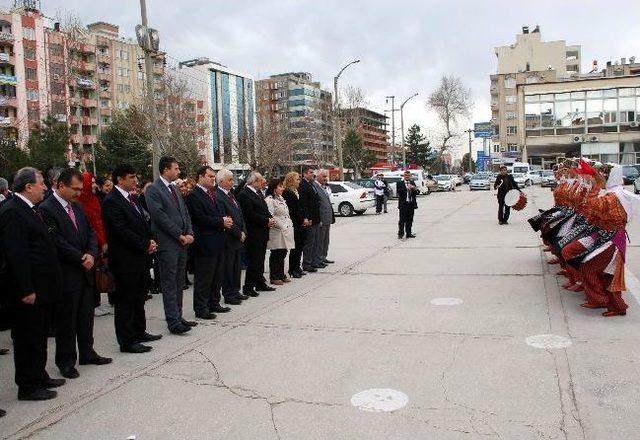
(470, 143)
(149, 41)
(393, 127)
(337, 138)
(404, 152)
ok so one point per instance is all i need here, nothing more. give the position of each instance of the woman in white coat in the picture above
(281, 237)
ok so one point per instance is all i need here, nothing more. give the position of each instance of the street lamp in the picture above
(404, 152)
(336, 129)
(470, 161)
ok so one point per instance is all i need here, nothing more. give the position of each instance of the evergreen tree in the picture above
(465, 164)
(48, 144)
(355, 155)
(418, 148)
(12, 158)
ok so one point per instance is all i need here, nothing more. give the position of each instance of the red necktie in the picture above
(233, 199)
(72, 215)
(132, 200)
(172, 189)
(212, 195)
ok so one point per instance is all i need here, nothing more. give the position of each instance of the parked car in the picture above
(419, 178)
(522, 179)
(536, 176)
(479, 181)
(636, 186)
(445, 182)
(548, 179)
(366, 183)
(348, 198)
(630, 174)
(467, 177)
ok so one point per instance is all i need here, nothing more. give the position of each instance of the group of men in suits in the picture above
(315, 198)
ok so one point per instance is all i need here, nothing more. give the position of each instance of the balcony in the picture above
(8, 101)
(8, 79)
(106, 111)
(73, 119)
(5, 59)
(7, 121)
(105, 94)
(91, 103)
(6, 37)
(103, 58)
(75, 138)
(495, 105)
(86, 83)
(88, 139)
(88, 120)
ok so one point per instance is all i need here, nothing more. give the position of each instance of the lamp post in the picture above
(336, 125)
(393, 127)
(470, 142)
(404, 152)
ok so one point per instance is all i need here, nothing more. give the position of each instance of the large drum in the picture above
(516, 199)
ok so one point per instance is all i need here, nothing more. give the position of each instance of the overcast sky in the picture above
(405, 45)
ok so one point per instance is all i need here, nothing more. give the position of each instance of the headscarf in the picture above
(91, 206)
(615, 185)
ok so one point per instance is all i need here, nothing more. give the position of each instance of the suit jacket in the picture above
(233, 210)
(401, 189)
(30, 254)
(256, 216)
(504, 184)
(326, 210)
(310, 201)
(128, 233)
(168, 222)
(208, 224)
(72, 244)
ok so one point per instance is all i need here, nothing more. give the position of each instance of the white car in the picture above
(479, 181)
(445, 182)
(522, 179)
(348, 198)
(457, 180)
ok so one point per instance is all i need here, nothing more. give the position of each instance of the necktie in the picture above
(172, 189)
(37, 213)
(233, 199)
(72, 215)
(132, 201)
(212, 195)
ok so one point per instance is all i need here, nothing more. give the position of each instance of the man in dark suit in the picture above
(171, 225)
(77, 248)
(310, 200)
(504, 183)
(209, 228)
(34, 283)
(258, 220)
(407, 205)
(234, 239)
(130, 246)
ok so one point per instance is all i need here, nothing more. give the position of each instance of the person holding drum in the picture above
(504, 183)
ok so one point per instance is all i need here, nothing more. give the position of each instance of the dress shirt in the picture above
(25, 200)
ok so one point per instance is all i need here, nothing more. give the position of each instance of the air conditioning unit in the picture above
(633, 124)
(577, 139)
(593, 139)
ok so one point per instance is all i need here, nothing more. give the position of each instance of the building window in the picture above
(511, 99)
(512, 129)
(32, 95)
(496, 148)
(29, 54)
(510, 83)
(104, 103)
(55, 50)
(512, 148)
(30, 74)
(511, 115)
(29, 33)
(120, 88)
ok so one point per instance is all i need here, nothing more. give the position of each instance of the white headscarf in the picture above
(615, 184)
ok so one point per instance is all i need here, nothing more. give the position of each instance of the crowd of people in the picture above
(65, 244)
(585, 231)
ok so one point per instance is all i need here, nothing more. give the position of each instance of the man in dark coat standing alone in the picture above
(504, 183)
(407, 205)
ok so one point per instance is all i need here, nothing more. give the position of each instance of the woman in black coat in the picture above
(300, 223)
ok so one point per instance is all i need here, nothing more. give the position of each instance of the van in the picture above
(522, 171)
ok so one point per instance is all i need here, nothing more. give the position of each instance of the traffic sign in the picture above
(483, 130)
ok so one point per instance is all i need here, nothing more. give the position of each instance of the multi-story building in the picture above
(529, 61)
(304, 108)
(371, 126)
(228, 111)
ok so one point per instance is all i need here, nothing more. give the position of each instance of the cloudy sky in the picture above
(405, 45)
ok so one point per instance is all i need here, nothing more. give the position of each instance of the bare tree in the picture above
(274, 146)
(452, 102)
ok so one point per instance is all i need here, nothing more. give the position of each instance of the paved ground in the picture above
(286, 364)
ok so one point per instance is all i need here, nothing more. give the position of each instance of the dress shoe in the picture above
(319, 266)
(69, 372)
(219, 309)
(234, 301)
(36, 394)
(609, 314)
(250, 292)
(309, 269)
(400, 236)
(2, 413)
(146, 337)
(206, 316)
(328, 261)
(411, 236)
(135, 348)
(189, 323)
(54, 383)
(295, 274)
(265, 288)
(4, 351)
(180, 329)
(277, 282)
(96, 360)
(286, 280)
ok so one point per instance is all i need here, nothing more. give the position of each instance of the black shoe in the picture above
(319, 266)
(4, 351)
(180, 329)
(243, 297)
(234, 301)
(69, 372)
(207, 316)
(189, 323)
(328, 261)
(2, 413)
(505, 222)
(219, 309)
(250, 292)
(303, 273)
(411, 236)
(135, 348)
(37, 394)
(295, 274)
(146, 337)
(265, 288)
(309, 269)
(96, 360)
(54, 383)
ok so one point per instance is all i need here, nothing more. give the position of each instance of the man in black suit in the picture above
(77, 248)
(258, 220)
(130, 246)
(209, 228)
(310, 201)
(34, 283)
(234, 238)
(504, 183)
(407, 205)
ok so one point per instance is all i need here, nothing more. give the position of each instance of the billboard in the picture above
(483, 130)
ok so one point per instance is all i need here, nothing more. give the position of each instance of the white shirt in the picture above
(166, 182)
(408, 190)
(24, 199)
(62, 201)
(379, 186)
(203, 188)
(123, 192)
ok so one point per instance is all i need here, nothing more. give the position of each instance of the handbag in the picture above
(104, 277)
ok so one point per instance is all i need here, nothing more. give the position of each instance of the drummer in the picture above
(504, 183)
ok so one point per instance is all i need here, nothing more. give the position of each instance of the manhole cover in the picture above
(379, 400)
(548, 341)
(446, 301)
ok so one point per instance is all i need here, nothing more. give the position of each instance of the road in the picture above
(441, 320)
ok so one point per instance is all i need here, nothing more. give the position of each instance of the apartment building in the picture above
(530, 60)
(300, 103)
(371, 126)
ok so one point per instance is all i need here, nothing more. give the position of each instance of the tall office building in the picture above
(371, 126)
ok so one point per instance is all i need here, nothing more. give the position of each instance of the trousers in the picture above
(129, 297)
(321, 248)
(75, 322)
(207, 281)
(172, 264)
(29, 334)
(405, 223)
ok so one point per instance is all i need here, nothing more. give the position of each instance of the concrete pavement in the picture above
(286, 365)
